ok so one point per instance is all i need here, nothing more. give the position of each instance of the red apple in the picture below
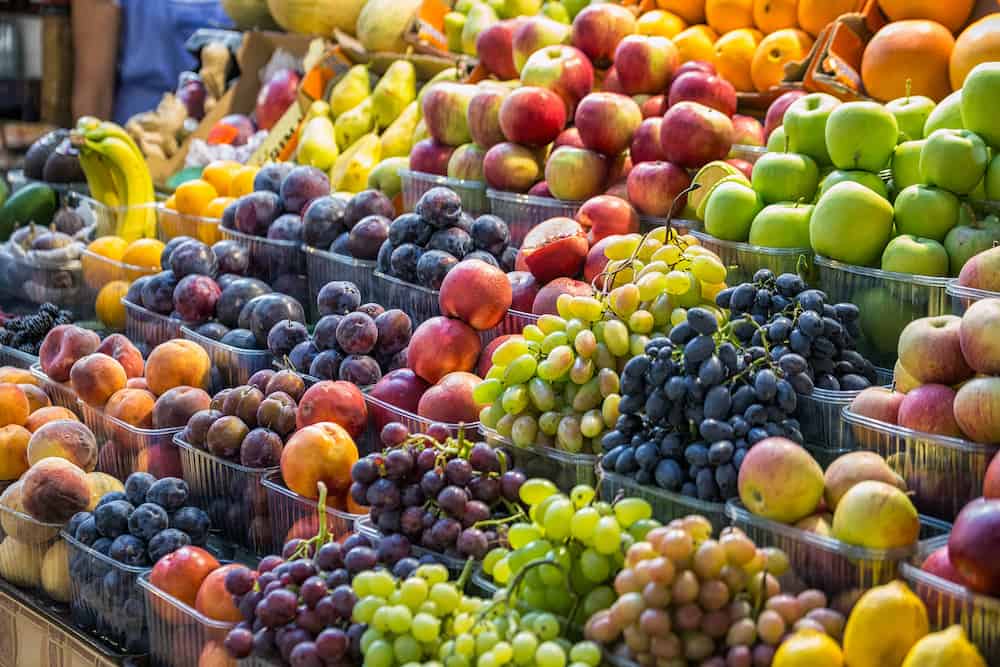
(545, 302)
(430, 157)
(979, 335)
(974, 544)
(646, 142)
(607, 121)
(524, 287)
(878, 403)
(512, 167)
(776, 112)
(930, 349)
(532, 116)
(598, 29)
(991, 480)
(564, 70)
(535, 33)
(445, 107)
(568, 137)
(695, 66)
(597, 261)
(939, 564)
(619, 189)
(708, 89)
(619, 167)
(275, 97)
(747, 131)
(483, 115)
(450, 400)
(654, 106)
(610, 83)
(605, 216)
(930, 409)
(575, 174)
(495, 48)
(653, 186)
(693, 134)
(645, 64)
(977, 409)
(555, 248)
(540, 189)
(742, 165)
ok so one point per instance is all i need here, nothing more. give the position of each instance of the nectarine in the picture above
(442, 345)
(477, 293)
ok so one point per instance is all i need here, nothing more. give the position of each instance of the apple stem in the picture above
(909, 87)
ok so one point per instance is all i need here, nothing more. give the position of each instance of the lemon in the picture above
(948, 648)
(808, 648)
(110, 310)
(884, 625)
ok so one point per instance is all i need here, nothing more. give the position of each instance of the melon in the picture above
(316, 17)
(249, 14)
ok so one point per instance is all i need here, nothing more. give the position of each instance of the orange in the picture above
(194, 196)
(784, 46)
(170, 203)
(692, 11)
(220, 174)
(726, 15)
(734, 54)
(915, 49)
(660, 23)
(696, 43)
(217, 206)
(814, 15)
(952, 14)
(96, 271)
(773, 15)
(242, 183)
(143, 253)
(108, 306)
(979, 43)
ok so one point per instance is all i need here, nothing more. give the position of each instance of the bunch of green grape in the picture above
(578, 539)
(558, 384)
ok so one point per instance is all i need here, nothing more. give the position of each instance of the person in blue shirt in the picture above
(129, 52)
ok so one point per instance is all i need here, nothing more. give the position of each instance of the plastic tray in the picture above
(324, 266)
(293, 515)
(942, 473)
(171, 224)
(98, 271)
(10, 356)
(235, 365)
(126, 449)
(747, 152)
(667, 505)
(149, 328)
(416, 183)
(420, 303)
(180, 635)
(564, 469)
(825, 563)
(230, 493)
(950, 604)
(269, 258)
(742, 260)
(888, 302)
(104, 598)
(109, 221)
(60, 393)
(962, 297)
(381, 413)
(819, 414)
(21, 561)
(512, 323)
(522, 212)
(28, 278)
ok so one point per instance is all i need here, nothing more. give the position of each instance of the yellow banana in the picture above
(139, 218)
(109, 129)
(99, 179)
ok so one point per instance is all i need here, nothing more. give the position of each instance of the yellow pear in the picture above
(350, 91)
(354, 124)
(854, 467)
(453, 24)
(479, 18)
(317, 108)
(398, 137)
(876, 515)
(948, 648)
(883, 626)
(317, 146)
(420, 132)
(350, 171)
(395, 90)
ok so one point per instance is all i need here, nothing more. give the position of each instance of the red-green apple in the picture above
(787, 177)
(779, 480)
(445, 107)
(430, 157)
(902, 378)
(652, 187)
(532, 116)
(494, 47)
(510, 166)
(619, 167)
(576, 174)
(607, 121)
(568, 137)
(979, 102)
(483, 115)
(955, 160)
(696, 66)
(605, 216)
(564, 70)
(693, 134)
(930, 348)
(466, 163)
(610, 83)
(747, 131)
(914, 254)
(930, 409)
(851, 224)
(946, 115)
(861, 135)
(599, 28)
(906, 164)
(745, 167)
(776, 112)
(703, 88)
(730, 210)
(534, 33)
(992, 183)
(805, 125)
(967, 240)
(782, 226)
(646, 142)
(645, 64)
(865, 178)
(979, 336)
(880, 403)
(911, 114)
(977, 409)
(926, 211)
(982, 270)
(973, 544)
(619, 189)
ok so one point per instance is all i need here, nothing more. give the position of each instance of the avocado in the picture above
(63, 165)
(35, 202)
(38, 154)
(4, 190)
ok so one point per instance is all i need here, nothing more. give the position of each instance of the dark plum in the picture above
(394, 330)
(325, 332)
(287, 227)
(366, 203)
(240, 338)
(158, 293)
(366, 238)
(137, 486)
(403, 262)
(227, 279)
(76, 520)
(342, 245)
(261, 449)
(193, 258)
(483, 256)
(229, 216)
(302, 355)
(271, 175)
(197, 427)
(360, 370)
(357, 333)
(433, 266)
(212, 330)
(508, 260)
(284, 336)
(232, 257)
(147, 520)
(195, 297)
(338, 297)
(383, 261)
(129, 550)
(439, 206)
(326, 365)
(256, 211)
(263, 312)
(464, 222)
(277, 413)
(294, 285)
(170, 493)
(323, 221)
(86, 532)
(168, 249)
(372, 310)
(166, 542)
(452, 240)
(258, 380)
(226, 436)
(490, 233)
(112, 518)
(134, 293)
(110, 497)
(193, 521)
(301, 186)
(409, 228)
(286, 382)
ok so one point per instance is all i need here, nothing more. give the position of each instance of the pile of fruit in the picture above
(25, 333)
(354, 227)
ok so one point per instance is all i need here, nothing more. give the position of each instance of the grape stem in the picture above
(322, 535)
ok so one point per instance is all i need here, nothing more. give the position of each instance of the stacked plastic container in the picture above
(126, 449)
(564, 469)
(667, 505)
(420, 303)
(145, 326)
(820, 418)
(60, 393)
(742, 260)
(292, 515)
(235, 365)
(171, 224)
(271, 258)
(962, 297)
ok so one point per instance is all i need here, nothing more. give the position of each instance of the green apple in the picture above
(906, 164)
(992, 183)
(861, 135)
(922, 210)
(730, 211)
(914, 254)
(776, 143)
(947, 114)
(785, 177)
(865, 178)
(883, 317)
(851, 223)
(556, 11)
(970, 239)
(955, 160)
(805, 125)
(782, 226)
(911, 114)
(385, 176)
(980, 98)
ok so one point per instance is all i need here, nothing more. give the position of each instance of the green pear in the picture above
(454, 22)
(398, 137)
(317, 146)
(479, 18)
(463, 6)
(317, 108)
(556, 11)
(350, 91)
(396, 89)
(946, 115)
(350, 171)
(447, 74)
(354, 124)
(385, 176)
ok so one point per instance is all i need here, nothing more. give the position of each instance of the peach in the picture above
(63, 346)
(137, 383)
(177, 363)
(181, 573)
(13, 451)
(14, 405)
(43, 416)
(101, 483)
(333, 401)
(37, 398)
(66, 439)
(96, 377)
(54, 490)
(545, 301)
(442, 345)
(13, 375)
(212, 599)
(121, 349)
(323, 452)
(132, 406)
(215, 654)
(450, 400)
(175, 406)
(476, 293)
(25, 531)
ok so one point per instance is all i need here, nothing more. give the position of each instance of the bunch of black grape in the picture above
(691, 407)
(26, 332)
(811, 340)
(449, 497)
